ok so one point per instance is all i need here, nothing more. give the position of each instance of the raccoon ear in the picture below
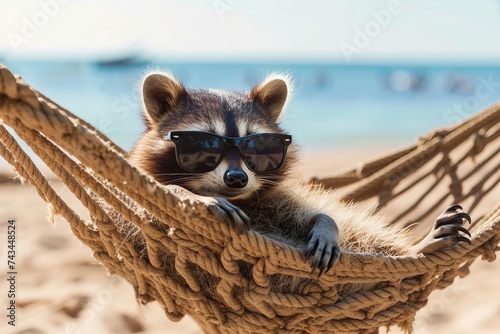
(272, 94)
(160, 93)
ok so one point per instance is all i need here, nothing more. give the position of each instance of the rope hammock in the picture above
(184, 242)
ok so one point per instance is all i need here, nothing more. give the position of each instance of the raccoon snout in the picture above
(235, 178)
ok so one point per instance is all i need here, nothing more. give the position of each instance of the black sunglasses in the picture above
(198, 151)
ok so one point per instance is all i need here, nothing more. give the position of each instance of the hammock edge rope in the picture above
(25, 111)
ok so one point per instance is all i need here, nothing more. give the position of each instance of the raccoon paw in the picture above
(446, 231)
(223, 210)
(322, 246)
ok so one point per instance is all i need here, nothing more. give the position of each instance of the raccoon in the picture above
(228, 148)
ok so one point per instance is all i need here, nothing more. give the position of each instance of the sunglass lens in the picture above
(263, 153)
(199, 152)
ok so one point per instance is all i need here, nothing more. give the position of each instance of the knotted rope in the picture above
(190, 261)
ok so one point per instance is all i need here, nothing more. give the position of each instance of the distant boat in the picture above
(130, 60)
(460, 83)
(404, 81)
(322, 79)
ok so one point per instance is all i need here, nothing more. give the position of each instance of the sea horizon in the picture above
(333, 104)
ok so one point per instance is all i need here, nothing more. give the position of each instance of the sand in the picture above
(62, 289)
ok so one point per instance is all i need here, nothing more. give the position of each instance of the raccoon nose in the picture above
(235, 178)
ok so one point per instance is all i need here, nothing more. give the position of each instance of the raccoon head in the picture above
(170, 107)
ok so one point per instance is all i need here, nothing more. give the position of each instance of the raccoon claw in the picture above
(224, 210)
(323, 251)
(323, 258)
(322, 247)
(447, 231)
(452, 215)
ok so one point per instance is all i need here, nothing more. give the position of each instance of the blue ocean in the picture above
(333, 105)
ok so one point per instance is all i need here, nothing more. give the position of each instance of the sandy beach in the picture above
(62, 289)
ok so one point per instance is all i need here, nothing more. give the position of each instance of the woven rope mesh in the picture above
(185, 259)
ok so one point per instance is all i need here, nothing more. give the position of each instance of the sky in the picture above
(347, 31)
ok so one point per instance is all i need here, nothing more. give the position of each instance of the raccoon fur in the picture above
(277, 205)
